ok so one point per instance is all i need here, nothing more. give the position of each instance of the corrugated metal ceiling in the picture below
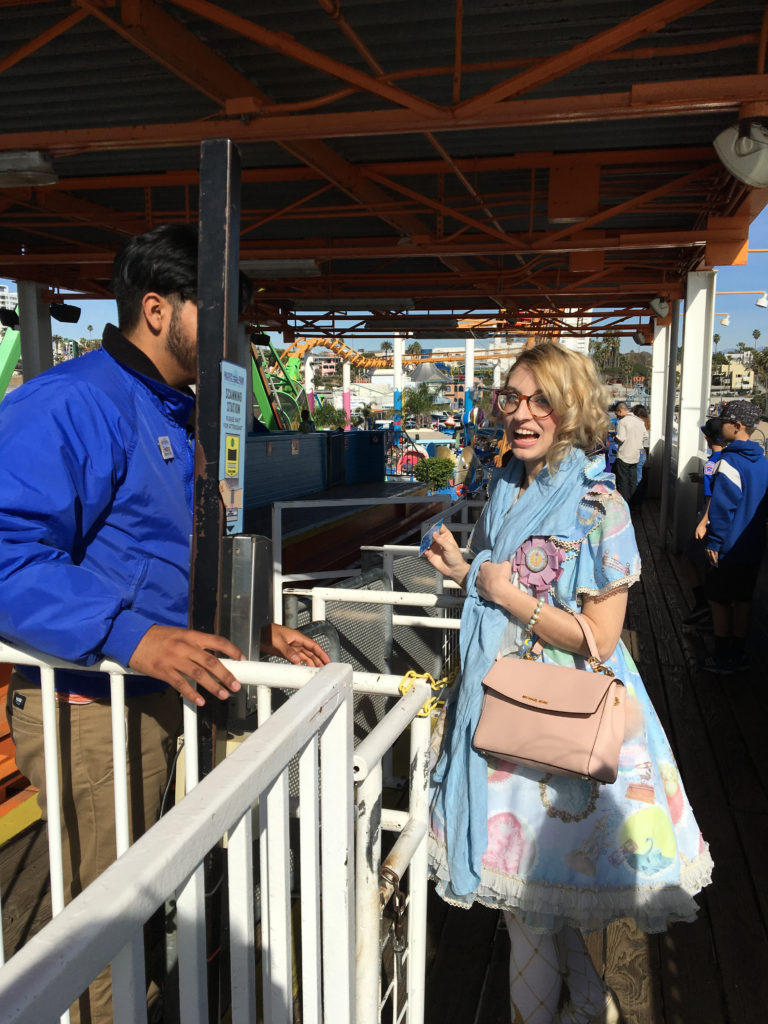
(358, 149)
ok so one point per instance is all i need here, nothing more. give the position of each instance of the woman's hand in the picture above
(445, 556)
(493, 582)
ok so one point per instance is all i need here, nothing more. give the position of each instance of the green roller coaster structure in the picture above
(10, 350)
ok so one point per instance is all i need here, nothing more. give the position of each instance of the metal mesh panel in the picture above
(415, 647)
(365, 639)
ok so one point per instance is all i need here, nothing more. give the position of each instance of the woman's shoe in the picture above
(610, 1014)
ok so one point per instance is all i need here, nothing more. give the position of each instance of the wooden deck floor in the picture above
(714, 971)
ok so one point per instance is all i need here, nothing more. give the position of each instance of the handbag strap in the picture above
(589, 636)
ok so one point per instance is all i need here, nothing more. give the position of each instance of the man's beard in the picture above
(183, 349)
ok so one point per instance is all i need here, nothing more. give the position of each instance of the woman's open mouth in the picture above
(524, 438)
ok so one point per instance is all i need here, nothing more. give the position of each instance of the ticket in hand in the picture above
(426, 539)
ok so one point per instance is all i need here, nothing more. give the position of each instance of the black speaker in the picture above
(63, 313)
(9, 318)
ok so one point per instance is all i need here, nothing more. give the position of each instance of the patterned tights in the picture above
(538, 965)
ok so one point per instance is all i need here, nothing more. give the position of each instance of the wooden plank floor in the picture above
(714, 971)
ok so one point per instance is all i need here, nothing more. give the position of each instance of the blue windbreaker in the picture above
(96, 489)
(739, 503)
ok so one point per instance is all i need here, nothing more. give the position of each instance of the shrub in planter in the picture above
(436, 472)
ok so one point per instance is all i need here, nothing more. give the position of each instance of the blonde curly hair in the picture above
(578, 397)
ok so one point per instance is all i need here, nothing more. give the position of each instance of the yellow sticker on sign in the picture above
(232, 449)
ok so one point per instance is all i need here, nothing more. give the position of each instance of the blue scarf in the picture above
(548, 507)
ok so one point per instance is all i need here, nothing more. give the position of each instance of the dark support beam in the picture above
(218, 338)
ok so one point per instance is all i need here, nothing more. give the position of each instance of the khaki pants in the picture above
(152, 723)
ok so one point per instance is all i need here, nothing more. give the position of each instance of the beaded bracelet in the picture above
(535, 617)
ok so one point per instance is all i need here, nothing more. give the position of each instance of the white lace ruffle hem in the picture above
(548, 908)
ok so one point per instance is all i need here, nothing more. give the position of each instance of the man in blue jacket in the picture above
(96, 499)
(735, 535)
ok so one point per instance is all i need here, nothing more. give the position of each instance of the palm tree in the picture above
(756, 334)
(715, 340)
(386, 346)
(366, 411)
(414, 349)
(420, 401)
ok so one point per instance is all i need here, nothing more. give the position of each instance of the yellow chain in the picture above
(436, 685)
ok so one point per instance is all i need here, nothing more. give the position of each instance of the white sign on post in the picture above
(232, 444)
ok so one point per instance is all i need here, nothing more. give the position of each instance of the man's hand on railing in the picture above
(170, 653)
(292, 645)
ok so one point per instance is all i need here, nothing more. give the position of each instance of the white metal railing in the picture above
(279, 578)
(409, 852)
(104, 924)
(319, 879)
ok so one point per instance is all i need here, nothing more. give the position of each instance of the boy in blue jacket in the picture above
(735, 535)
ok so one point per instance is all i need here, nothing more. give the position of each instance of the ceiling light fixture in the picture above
(726, 321)
(762, 301)
(25, 167)
(743, 150)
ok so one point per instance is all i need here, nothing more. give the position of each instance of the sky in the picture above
(744, 315)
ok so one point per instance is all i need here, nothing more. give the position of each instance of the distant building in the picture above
(733, 375)
(8, 299)
(575, 342)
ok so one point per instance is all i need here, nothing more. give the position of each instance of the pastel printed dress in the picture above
(571, 851)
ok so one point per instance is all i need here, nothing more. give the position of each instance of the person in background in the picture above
(630, 433)
(557, 855)
(94, 558)
(642, 465)
(306, 426)
(734, 535)
(701, 613)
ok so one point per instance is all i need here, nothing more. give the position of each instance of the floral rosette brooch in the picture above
(538, 563)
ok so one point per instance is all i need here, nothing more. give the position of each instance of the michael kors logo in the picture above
(537, 700)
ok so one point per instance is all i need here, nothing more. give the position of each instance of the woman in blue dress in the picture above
(558, 855)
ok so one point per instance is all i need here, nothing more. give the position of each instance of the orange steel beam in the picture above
(583, 53)
(165, 39)
(633, 158)
(638, 53)
(333, 8)
(168, 42)
(630, 204)
(322, 248)
(654, 99)
(39, 41)
(281, 43)
(443, 208)
(457, 45)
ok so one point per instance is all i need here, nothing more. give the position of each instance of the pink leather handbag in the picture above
(564, 721)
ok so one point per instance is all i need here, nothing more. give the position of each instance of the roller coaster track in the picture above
(302, 346)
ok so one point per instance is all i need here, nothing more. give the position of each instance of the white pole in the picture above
(695, 377)
(398, 351)
(659, 370)
(345, 396)
(469, 380)
(309, 382)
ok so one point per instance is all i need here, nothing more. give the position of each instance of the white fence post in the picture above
(337, 867)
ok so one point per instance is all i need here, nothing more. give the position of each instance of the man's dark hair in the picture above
(163, 260)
